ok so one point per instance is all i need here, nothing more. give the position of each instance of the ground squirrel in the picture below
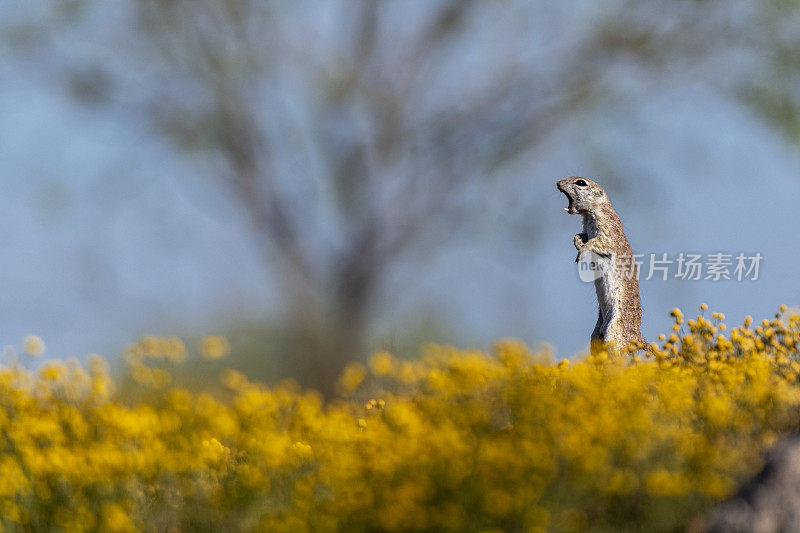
(616, 283)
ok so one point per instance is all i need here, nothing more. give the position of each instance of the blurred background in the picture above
(316, 179)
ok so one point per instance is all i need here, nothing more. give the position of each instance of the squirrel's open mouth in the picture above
(570, 203)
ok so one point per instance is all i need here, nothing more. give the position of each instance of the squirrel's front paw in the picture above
(579, 240)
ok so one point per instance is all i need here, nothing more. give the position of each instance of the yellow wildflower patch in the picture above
(453, 441)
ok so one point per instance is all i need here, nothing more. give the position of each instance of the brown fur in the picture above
(620, 312)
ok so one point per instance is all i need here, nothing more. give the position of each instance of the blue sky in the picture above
(106, 235)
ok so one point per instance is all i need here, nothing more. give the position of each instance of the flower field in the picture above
(453, 441)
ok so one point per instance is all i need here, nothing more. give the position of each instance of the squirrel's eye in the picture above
(580, 183)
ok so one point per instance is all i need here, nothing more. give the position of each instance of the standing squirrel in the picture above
(616, 284)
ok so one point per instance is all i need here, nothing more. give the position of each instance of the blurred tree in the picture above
(347, 156)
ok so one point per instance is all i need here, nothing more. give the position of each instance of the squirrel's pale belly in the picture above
(607, 287)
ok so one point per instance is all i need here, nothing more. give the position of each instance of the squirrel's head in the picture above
(584, 195)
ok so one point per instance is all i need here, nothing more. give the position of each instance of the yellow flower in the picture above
(660, 482)
(214, 347)
(351, 378)
(116, 520)
(232, 379)
(381, 363)
(52, 371)
(33, 345)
